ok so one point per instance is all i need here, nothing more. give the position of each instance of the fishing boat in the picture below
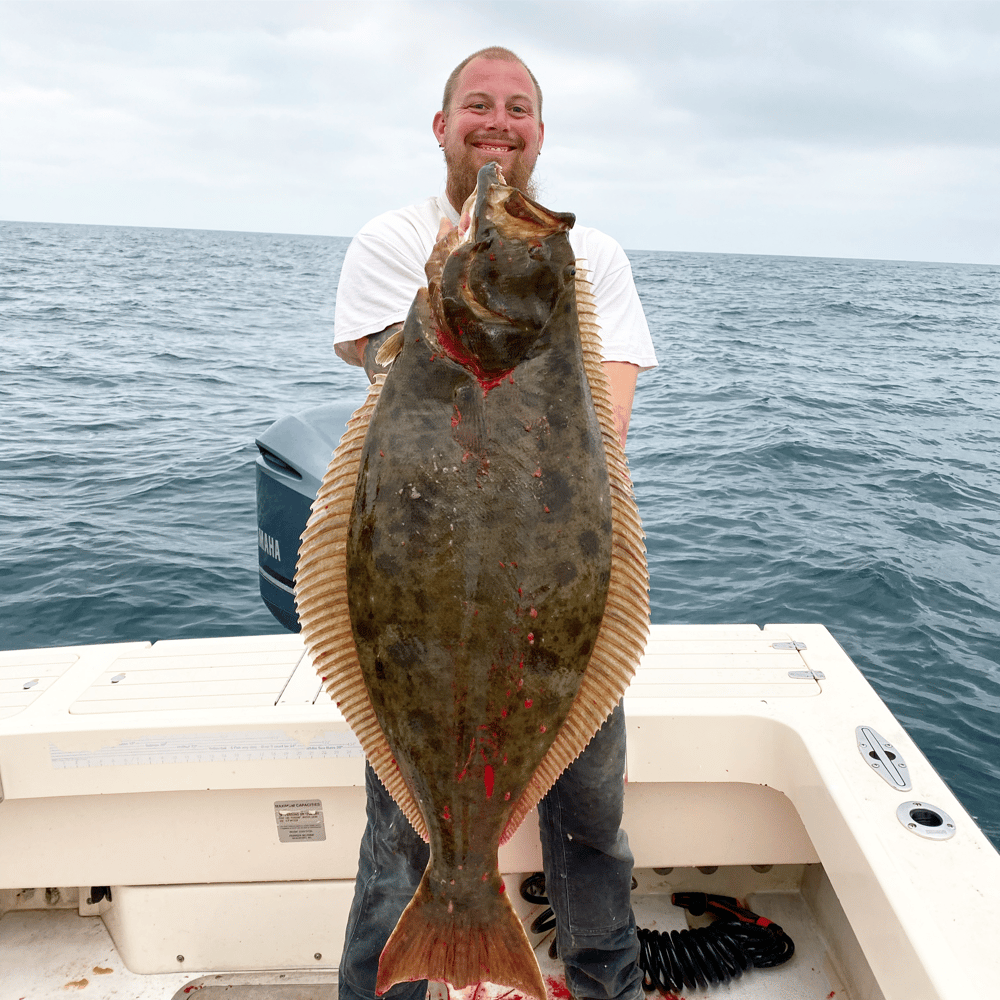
(183, 817)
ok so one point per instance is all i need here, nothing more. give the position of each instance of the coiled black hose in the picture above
(737, 941)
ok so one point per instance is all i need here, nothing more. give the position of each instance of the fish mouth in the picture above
(494, 281)
(497, 207)
(489, 185)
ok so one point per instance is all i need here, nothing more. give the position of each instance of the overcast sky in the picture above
(858, 129)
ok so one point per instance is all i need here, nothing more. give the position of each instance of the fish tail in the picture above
(461, 943)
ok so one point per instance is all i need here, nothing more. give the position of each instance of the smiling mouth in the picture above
(495, 145)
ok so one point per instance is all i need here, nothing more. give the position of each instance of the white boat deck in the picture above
(219, 793)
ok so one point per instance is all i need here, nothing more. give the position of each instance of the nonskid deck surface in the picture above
(55, 953)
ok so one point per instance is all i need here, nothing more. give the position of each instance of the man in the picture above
(492, 111)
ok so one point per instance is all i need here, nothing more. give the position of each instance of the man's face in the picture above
(493, 116)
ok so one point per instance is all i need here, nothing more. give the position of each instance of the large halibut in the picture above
(472, 581)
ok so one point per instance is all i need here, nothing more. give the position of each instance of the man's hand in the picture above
(367, 348)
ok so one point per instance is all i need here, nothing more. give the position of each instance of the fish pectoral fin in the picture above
(391, 346)
(481, 941)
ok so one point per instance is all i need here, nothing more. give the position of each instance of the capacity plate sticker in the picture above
(299, 821)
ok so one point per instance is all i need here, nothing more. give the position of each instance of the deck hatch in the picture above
(26, 674)
(195, 674)
(698, 663)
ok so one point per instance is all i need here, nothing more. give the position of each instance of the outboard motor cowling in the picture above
(294, 454)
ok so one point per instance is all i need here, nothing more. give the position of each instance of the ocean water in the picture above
(821, 442)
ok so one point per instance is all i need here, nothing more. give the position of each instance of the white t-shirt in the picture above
(384, 268)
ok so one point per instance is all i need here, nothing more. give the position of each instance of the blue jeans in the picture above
(588, 878)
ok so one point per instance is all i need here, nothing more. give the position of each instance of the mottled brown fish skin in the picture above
(478, 561)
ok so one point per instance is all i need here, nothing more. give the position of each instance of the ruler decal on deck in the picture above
(209, 748)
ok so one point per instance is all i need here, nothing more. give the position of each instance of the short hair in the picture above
(491, 52)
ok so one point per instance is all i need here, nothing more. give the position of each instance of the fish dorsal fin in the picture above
(624, 628)
(321, 599)
(389, 348)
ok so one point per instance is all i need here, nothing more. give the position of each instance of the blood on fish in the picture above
(488, 781)
(557, 989)
(527, 703)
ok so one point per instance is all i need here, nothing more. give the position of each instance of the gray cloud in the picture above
(840, 129)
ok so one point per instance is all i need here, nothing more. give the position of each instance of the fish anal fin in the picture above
(476, 941)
